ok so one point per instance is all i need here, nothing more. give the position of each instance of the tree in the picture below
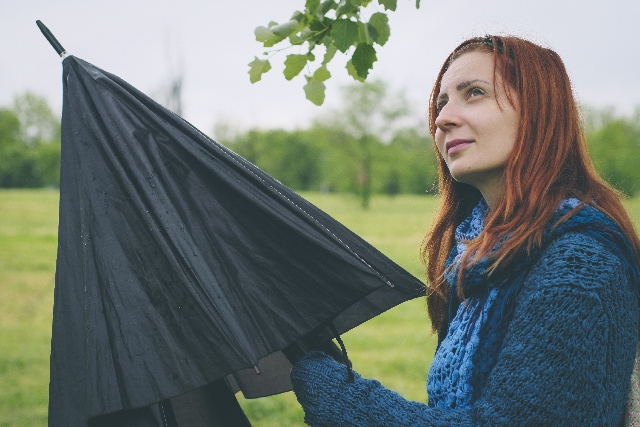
(291, 157)
(169, 94)
(412, 162)
(615, 150)
(38, 123)
(29, 144)
(369, 114)
(335, 25)
(13, 164)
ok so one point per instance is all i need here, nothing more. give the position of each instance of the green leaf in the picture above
(363, 33)
(329, 54)
(314, 91)
(312, 6)
(417, 4)
(380, 22)
(293, 65)
(296, 40)
(265, 36)
(352, 72)
(258, 68)
(363, 59)
(390, 4)
(322, 74)
(286, 29)
(345, 7)
(306, 33)
(276, 33)
(327, 6)
(344, 34)
(320, 25)
(298, 16)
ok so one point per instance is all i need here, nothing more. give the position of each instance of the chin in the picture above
(464, 178)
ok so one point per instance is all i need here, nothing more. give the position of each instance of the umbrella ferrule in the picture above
(52, 40)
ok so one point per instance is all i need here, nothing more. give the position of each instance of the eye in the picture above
(474, 92)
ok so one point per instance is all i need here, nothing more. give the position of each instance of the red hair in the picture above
(549, 163)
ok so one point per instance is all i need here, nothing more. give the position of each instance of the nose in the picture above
(447, 118)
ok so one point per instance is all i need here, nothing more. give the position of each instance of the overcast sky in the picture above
(212, 40)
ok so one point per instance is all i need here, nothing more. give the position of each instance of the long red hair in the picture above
(549, 163)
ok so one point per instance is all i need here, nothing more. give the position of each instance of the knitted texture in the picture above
(565, 358)
(320, 384)
(589, 222)
(450, 373)
(449, 382)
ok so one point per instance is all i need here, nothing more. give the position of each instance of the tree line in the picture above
(373, 144)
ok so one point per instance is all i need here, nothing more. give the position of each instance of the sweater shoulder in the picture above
(579, 260)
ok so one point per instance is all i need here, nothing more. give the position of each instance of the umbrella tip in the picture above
(52, 40)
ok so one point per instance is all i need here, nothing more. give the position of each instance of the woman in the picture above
(532, 263)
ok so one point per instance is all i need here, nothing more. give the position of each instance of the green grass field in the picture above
(395, 348)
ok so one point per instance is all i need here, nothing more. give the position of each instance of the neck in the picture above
(492, 196)
(492, 189)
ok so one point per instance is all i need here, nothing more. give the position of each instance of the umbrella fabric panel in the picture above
(179, 262)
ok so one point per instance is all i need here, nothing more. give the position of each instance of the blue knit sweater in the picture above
(565, 358)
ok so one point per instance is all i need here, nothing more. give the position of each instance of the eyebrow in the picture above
(461, 86)
(466, 84)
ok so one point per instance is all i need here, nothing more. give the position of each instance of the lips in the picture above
(457, 144)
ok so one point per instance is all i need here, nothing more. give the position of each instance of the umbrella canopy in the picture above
(181, 264)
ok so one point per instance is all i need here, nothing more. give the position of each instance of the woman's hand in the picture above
(329, 400)
(320, 385)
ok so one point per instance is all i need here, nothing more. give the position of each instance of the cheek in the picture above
(439, 139)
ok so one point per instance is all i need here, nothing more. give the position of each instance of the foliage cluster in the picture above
(614, 145)
(29, 144)
(337, 25)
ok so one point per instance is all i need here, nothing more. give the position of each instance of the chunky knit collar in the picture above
(587, 219)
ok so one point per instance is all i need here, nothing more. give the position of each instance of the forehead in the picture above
(467, 67)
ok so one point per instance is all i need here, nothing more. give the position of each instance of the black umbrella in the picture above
(184, 272)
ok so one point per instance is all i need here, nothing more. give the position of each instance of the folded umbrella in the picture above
(184, 272)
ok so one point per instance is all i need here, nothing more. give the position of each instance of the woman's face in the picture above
(475, 134)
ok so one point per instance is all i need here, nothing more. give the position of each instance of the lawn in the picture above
(395, 348)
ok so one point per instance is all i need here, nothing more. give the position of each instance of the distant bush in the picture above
(326, 159)
(615, 150)
(29, 144)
